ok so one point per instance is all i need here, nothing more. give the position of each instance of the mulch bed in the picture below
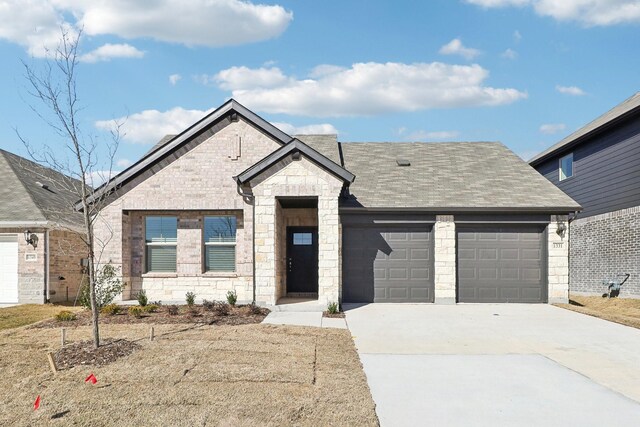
(333, 315)
(238, 315)
(83, 353)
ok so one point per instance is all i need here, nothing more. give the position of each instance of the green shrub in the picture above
(142, 298)
(232, 297)
(190, 298)
(136, 311)
(173, 310)
(151, 308)
(108, 286)
(66, 316)
(333, 308)
(110, 309)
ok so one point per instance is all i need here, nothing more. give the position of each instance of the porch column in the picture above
(558, 250)
(328, 250)
(265, 216)
(445, 259)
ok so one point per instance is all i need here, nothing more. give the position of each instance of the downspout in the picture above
(47, 276)
(252, 199)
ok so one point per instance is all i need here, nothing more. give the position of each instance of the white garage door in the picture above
(8, 268)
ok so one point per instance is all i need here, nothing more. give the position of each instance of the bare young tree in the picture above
(79, 156)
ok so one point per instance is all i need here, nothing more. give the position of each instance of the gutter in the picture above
(23, 224)
(252, 198)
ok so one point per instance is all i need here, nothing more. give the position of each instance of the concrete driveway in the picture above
(497, 365)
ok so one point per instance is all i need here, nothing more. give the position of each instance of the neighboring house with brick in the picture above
(35, 205)
(599, 167)
(234, 204)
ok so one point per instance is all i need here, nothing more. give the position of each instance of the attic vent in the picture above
(403, 162)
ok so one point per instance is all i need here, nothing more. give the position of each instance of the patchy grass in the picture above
(190, 375)
(20, 315)
(620, 310)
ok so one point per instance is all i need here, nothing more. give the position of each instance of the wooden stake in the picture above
(151, 335)
(63, 336)
(52, 363)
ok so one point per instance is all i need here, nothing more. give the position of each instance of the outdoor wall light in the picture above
(562, 228)
(30, 238)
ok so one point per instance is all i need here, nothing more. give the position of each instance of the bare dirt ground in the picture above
(189, 375)
(625, 311)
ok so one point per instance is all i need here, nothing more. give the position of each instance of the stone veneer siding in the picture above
(193, 181)
(445, 259)
(299, 178)
(603, 246)
(558, 260)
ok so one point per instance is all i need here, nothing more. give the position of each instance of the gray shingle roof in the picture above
(24, 198)
(325, 144)
(627, 106)
(456, 175)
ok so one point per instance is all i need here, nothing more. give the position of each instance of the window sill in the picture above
(159, 275)
(230, 274)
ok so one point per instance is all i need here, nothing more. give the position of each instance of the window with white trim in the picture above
(161, 239)
(566, 167)
(220, 243)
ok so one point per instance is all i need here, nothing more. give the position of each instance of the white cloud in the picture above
(123, 163)
(316, 129)
(109, 51)
(246, 78)
(455, 47)
(517, 36)
(368, 89)
(149, 126)
(588, 12)
(97, 178)
(174, 78)
(570, 90)
(35, 24)
(509, 54)
(422, 135)
(552, 128)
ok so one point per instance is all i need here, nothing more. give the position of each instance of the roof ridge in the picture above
(17, 176)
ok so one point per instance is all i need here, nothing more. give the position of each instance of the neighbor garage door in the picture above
(502, 264)
(8, 268)
(387, 263)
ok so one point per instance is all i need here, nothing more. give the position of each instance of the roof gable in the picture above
(295, 146)
(229, 111)
(620, 112)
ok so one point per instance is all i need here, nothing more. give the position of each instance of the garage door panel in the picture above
(400, 258)
(501, 264)
(8, 268)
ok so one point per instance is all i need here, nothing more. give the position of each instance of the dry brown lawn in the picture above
(20, 315)
(190, 375)
(624, 311)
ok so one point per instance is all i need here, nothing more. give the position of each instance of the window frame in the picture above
(561, 172)
(233, 244)
(147, 245)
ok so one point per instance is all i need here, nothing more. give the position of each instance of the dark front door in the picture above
(302, 260)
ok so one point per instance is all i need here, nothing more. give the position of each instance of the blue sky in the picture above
(523, 72)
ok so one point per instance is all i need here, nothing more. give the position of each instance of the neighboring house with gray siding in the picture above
(36, 204)
(599, 167)
(234, 204)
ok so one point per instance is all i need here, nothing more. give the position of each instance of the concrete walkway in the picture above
(497, 365)
(303, 319)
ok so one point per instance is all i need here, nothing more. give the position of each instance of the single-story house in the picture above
(599, 166)
(40, 247)
(232, 203)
